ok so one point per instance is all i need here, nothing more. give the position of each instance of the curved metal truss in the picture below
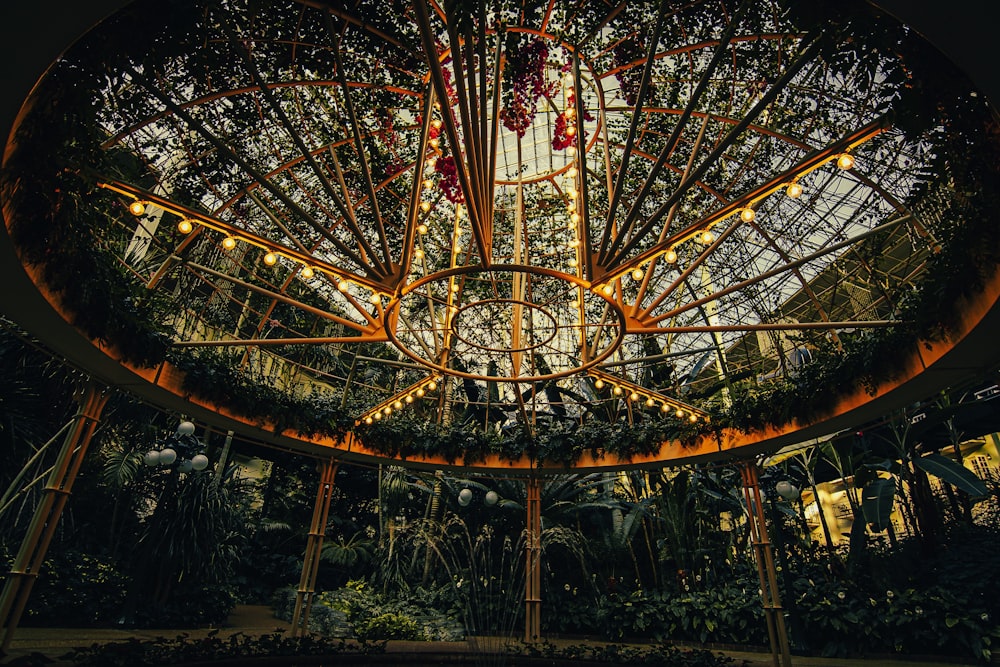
(524, 197)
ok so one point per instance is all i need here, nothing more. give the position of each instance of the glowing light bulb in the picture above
(398, 405)
(637, 274)
(307, 272)
(270, 259)
(599, 383)
(137, 207)
(570, 130)
(572, 262)
(229, 243)
(419, 392)
(794, 190)
(617, 391)
(747, 215)
(432, 385)
(377, 416)
(343, 285)
(574, 218)
(707, 236)
(455, 287)
(185, 226)
(435, 142)
(376, 298)
(664, 408)
(679, 413)
(650, 402)
(573, 194)
(573, 171)
(634, 396)
(408, 398)
(436, 123)
(368, 420)
(693, 418)
(670, 256)
(575, 243)
(425, 206)
(575, 303)
(609, 289)
(845, 161)
(422, 229)
(418, 253)
(387, 410)
(428, 184)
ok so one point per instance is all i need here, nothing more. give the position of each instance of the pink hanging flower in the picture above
(448, 170)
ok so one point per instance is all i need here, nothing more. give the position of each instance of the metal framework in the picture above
(510, 202)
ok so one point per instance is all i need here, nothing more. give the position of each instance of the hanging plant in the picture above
(448, 171)
(564, 133)
(524, 84)
(629, 78)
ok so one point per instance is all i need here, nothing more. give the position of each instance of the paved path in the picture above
(258, 620)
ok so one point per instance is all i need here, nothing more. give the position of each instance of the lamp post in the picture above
(181, 450)
(789, 492)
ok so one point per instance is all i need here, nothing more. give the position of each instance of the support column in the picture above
(533, 563)
(314, 547)
(91, 400)
(773, 613)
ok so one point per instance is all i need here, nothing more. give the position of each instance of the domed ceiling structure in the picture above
(491, 217)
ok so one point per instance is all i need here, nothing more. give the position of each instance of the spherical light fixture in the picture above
(185, 226)
(151, 458)
(670, 256)
(229, 243)
(167, 456)
(599, 383)
(465, 497)
(137, 207)
(787, 490)
(748, 214)
(845, 161)
(270, 259)
(794, 190)
(432, 385)
(307, 272)
(706, 237)
(491, 498)
(637, 274)
(185, 428)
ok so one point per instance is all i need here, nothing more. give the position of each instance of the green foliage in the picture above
(72, 585)
(388, 625)
(182, 649)
(658, 654)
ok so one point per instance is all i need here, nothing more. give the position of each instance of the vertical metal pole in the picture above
(533, 563)
(773, 613)
(91, 400)
(314, 547)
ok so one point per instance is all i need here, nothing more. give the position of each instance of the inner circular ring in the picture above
(509, 312)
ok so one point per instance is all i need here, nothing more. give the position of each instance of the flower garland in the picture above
(448, 170)
(525, 84)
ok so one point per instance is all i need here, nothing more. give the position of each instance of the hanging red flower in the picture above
(446, 168)
(525, 83)
(561, 139)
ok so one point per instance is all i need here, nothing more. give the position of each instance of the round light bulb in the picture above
(428, 184)
(387, 410)
(465, 497)
(693, 418)
(376, 298)
(137, 207)
(679, 413)
(670, 256)
(794, 190)
(422, 228)
(435, 142)
(707, 237)
(650, 402)
(617, 391)
(432, 385)
(491, 498)
(185, 428)
(229, 243)
(436, 122)
(199, 462)
(570, 130)
(185, 226)
(572, 262)
(574, 218)
(343, 285)
(572, 172)
(637, 274)
(368, 420)
(634, 396)
(419, 393)
(408, 398)
(664, 408)
(575, 303)
(307, 272)
(398, 405)
(151, 458)
(418, 253)
(425, 206)
(270, 259)
(599, 383)
(845, 161)
(377, 416)
(609, 289)
(167, 456)
(747, 215)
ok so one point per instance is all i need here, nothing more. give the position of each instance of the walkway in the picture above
(258, 620)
